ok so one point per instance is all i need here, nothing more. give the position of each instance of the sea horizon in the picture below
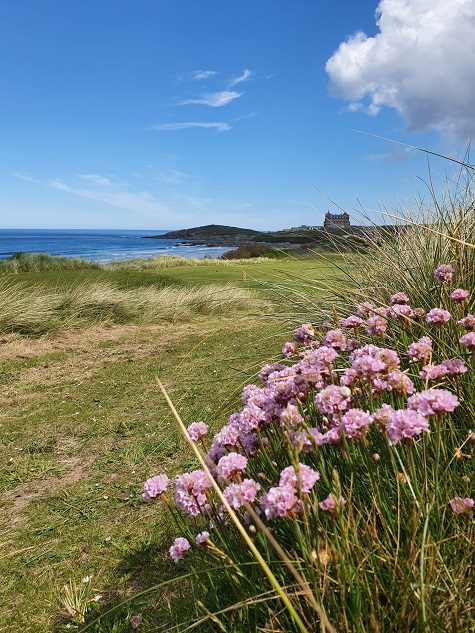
(100, 245)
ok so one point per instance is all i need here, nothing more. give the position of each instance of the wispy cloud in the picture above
(173, 177)
(59, 184)
(94, 179)
(237, 80)
(168, 127)
(203, 74)
(214, 99)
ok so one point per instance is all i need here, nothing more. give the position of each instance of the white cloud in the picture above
(421, 63)
(59, 184)
(94, 179)
(165, 127)
(203, 74)
(215, 99)
(173, 177)
(245, 75)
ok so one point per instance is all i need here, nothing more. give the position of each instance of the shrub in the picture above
(247, 251)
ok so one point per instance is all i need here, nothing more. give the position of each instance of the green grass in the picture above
(83, 425)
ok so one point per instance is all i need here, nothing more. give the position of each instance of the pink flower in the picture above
(356, 422)
(331, 503)
(197, 430)
(462, 506)
(332, 399)
(352, 322)
(190, 495)
(308, 477)
(433, 372)
(304, 334)
(399, 298)
(469, 341)
(155, 486)
(420, 349)
(277, 502)
(438, 316)
(335, 339)
(432, 402)
(238, 494)
(289, 350)
(376, 325)
(405, 424)
(459, 295)
(365, 310)
(401, 311)
(201, 538)
(230, 465)
(468, 322)
(179, 547)
(444, 273)
(455, 367)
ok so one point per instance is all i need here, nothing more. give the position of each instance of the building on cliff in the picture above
(336, 221)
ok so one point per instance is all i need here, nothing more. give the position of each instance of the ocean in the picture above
(101, 246)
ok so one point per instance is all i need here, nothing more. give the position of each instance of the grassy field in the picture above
(82, 425)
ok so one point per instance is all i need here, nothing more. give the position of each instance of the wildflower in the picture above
(455, 367)
(420, 349)
(307, 476)
(444, 273)
(405, 424)
(289, 350)
(331, 503)
(155, 486)
(179, 547)
(353, 322)
(331, 400)
(365, 310)
(432, 402)
(238, 494)
(201, 538)
(462, 506)
(399, 298)
(190, 495)
(231, 465)
(267, 370)
(304, 334)
(459, 295)
(419, 313)
(469, 341)
(279, 501)
(433, 372)
(356, 422)
(376, 325)
(468, 322)
(381, 416)
(438, 316)
(398, 381)
(197, 430)
(401, 311)
(335, 339)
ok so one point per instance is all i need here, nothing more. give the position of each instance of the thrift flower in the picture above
(438, 316)
(308, 477)
(405, 424)
(289, 350)
(469, 341)
(421, 349)
(459, 295)
(335, 339)
(190, 495)
(455, 367)
(352, 322)
(238, 494)
(231, 465)
(304, 334)
(468, 322)
(155, 486)
(432, 402)
(330, 504)
(279, 501)
(356, 422)
(179, 547)
(399, 298)
(433, 372)
(462, 506)
(201, 539)
(444, 273)
(197, 430)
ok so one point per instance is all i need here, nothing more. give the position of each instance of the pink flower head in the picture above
(331, 503)
(469, 341)
(399, 298)
(376, 324)
(267, 370)
(443, 273)
(335, 339)
(277, 502)
(433, 372)
(459, 295)
(468, 322)
(462, 506)
(405, 424)
(432, 402)
(356, 422)
(197, 430)
(201, 538)
(401, 311)
(289, 350)
(238, 494)
(231, 465)
(455, 367)
(304, 334)
(352, 322)
(190, 495)
(179, 547)
(155, 486)
(420, 349)
(333, 399)
(365, 310)
(308, 477)
(438, 316)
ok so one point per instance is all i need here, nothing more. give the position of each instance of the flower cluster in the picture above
(330, 390)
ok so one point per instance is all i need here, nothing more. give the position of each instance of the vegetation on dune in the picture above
(36, 262)
(250, 251)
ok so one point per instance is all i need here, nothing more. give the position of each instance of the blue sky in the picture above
(153, 114)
